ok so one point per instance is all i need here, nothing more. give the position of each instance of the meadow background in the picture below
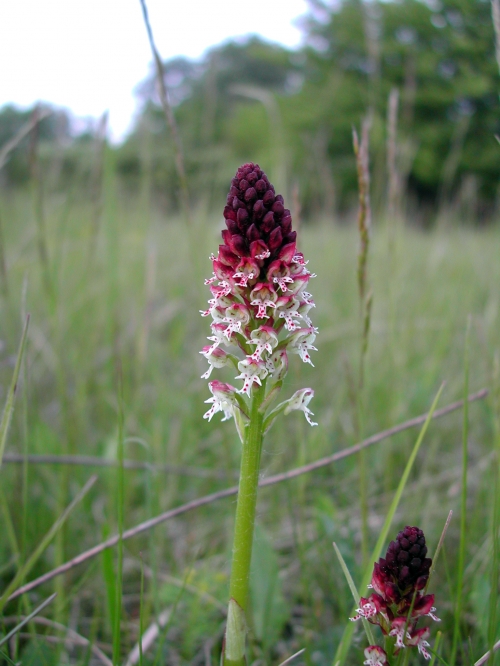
(97, 248)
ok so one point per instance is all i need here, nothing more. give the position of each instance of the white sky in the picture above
(88, 55)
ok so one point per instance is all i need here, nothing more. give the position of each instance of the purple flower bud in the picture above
(268, 222)
(232, 226)
(259, 208)
(275, 239)
(238, 245)
(250, 194)
(242, 216)
(227, 257)
(286, 225)
(278, 207)
(229, 213)
(260, 186)
(268, 198)
(253, 233)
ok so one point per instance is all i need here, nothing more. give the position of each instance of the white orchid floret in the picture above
(265, 338)
(375, 656)
(302, 341)
(277, 364)
(419, 639)
(236, 316)
(279, 273)
(218, 304)
(299, 283)
(307, 298)
(223, 400)
(247, 272)
(288, 308)
(263, 296)
(399, 629)
(252, 371)
(217, 338)
(222, 290)
(299, 401)
(216, 357)
(303, 310)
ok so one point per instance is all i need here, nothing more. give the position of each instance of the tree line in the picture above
(423, 73)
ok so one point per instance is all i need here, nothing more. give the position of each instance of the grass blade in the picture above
(347, 636)
(228, 492)
(438, 549)
(355, 593)
(463, 506)
(121, 520)
(27, 619)
(292, 657)
(9, 404)
(31, 561)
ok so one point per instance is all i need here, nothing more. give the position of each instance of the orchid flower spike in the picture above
(259, 301)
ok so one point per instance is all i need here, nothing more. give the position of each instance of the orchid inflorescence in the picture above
(398, 600)
(259, 305)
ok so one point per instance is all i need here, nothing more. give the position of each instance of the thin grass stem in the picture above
(169, 115)
(463, 505)
(121, 520)
(228, 492)
(345, 642)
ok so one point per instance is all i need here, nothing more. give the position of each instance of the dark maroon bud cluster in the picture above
(258, 224)
(406, 561)
(398, 599)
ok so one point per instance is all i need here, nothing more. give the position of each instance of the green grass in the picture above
(131, 296)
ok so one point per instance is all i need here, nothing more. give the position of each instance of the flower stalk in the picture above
(259, 309)
(244, 529)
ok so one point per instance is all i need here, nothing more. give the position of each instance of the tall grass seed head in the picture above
(259, 302)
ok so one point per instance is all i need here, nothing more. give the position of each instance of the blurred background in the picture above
(287, 96)
(107, 249)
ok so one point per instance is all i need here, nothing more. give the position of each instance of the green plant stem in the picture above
(244, 529)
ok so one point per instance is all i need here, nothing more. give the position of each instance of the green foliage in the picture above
(439, 56)
(269, 609)
(129, 290)
(253, 100)
(51, 129)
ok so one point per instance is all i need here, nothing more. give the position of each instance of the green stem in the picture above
(234, 650)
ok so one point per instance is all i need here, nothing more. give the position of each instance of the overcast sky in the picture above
(88, 55)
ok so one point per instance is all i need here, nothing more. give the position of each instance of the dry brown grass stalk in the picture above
(97, 179)
(364, 209)
(393, 184)
(228, 492)
(95, 461)
(19, 136)
(169, 115)
(71, 638)
(495, 13)
(38, 203)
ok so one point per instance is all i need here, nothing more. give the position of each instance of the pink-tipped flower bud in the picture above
(418, 639)
(299, 400)
(375, 656)
(223, 400)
